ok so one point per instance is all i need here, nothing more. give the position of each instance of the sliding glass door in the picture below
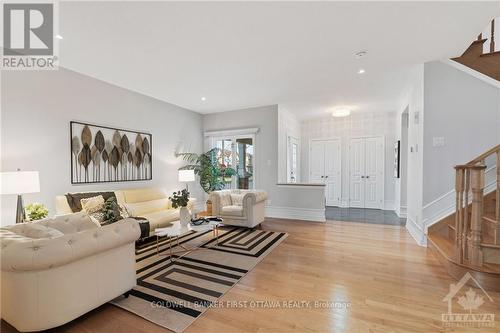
(236, 152)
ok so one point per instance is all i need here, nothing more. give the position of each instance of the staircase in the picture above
(483, 55)
(469, 239)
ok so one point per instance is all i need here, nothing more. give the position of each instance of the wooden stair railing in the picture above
(469, 182)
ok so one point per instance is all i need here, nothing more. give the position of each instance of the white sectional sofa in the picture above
(55, 270)
(243, 208)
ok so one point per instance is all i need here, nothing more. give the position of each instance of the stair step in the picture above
(489, 54)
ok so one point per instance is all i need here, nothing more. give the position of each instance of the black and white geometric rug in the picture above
(175, 294)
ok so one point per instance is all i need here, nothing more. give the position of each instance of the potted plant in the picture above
(36, 211)
(213, 176)
(180, 200)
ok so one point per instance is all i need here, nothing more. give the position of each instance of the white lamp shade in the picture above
(186, 176)
(19, 182)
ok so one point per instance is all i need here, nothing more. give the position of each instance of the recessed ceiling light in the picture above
(361, 71)
(58, 37)
(203, 99)
(341, 112)
(360, 54)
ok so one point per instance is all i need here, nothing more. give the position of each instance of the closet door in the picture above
(332, 172)
(317, 164)
(357, 173)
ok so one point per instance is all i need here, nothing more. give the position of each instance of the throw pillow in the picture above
(74, 199)
(237, 199)
(111, 211)
(93, 204)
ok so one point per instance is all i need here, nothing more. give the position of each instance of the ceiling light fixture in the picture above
(203, 99)
(341, 113)
(361, 71)
(58, 37)
(360, 54)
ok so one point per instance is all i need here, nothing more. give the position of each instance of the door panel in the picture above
(332, 172)
(357, 169)
(374, 173)
(317, 167)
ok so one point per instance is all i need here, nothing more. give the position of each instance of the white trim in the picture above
(416, 232)
(232, 132)
(401, 213)
(389, 205)
(470, 71)
(293, 213)
(302, 186)
(443, 206)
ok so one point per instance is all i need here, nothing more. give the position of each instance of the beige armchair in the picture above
(55, 270)
(244, 208)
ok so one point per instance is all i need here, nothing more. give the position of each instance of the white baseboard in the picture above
(294, 213)
(416, 232)
(443, 206)
(401, 212)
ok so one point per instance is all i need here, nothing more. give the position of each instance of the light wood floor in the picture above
(393, 285)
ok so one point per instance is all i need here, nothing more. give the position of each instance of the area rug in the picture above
(175, 294)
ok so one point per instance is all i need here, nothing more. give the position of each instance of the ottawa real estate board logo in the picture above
(28, 41)
(470, 301)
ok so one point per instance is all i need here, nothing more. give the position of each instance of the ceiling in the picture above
(243, 54)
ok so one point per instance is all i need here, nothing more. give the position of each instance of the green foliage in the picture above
(206, 167)
(111, 210)
(180, 199)
(36, 211)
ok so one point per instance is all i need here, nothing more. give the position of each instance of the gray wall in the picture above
(266, 154)
(466, 112)
(38, 106)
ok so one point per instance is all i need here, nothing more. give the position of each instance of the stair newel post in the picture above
(492, 38)
(459, 189)
(496, 235)
(465, 217)
(477, 187)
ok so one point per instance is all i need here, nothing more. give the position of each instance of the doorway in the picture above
(366, 178)
(293, 170)
(325, 168)
(403, 165)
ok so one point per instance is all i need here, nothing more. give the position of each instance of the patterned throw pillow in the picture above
(93, 204)
(237, 199)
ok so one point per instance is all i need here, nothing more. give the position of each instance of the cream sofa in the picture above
(245, 208)
(55, 270)
(149, 203)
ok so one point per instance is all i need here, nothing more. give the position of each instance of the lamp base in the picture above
(20, 216)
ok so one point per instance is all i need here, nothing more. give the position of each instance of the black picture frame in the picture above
(397, 158)
(87, 169)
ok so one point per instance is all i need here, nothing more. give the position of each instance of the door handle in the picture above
(322, 176)
(326, 176)
(367, 176)
(362, 176)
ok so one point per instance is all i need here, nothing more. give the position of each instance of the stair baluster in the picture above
(492, 37)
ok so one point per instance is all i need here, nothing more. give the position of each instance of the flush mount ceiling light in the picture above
(361, 71)
(203, 99)
(360, 54)
(58, 37)
(341, 112)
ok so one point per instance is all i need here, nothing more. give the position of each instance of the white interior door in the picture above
(332, 172)
(367, 173)
(317, 164)
(374, 159)
(357, 173)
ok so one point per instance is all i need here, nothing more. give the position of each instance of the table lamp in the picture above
(186, 176)
(19, 182)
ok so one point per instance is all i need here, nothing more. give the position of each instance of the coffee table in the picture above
(175, 230)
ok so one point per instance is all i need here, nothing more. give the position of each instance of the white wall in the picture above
(299, 202)
(465, 111)
(288, 125)
(37, 108)
(358, 124)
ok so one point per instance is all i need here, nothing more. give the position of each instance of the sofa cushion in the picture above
(74, 199)
(146, 207)
(141, 195)
(34, 230)
(70, 223)
(93, 204)
(161, 218)
(232, 210)
(237, 199)
(225, 198)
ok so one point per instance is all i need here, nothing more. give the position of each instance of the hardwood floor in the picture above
(392, 284)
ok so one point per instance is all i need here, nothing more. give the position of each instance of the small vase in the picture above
(184, 216)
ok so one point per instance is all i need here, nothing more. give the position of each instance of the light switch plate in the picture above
(438, 141)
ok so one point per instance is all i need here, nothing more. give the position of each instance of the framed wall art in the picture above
(106, 154)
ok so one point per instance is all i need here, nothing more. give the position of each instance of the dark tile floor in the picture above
(374, 216)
